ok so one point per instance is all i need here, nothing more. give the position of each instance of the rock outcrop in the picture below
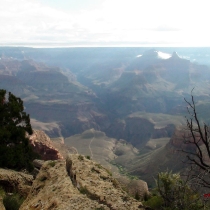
(15, 181)
(78, 183)
(177, 141)
(135, 130)
(42, 145)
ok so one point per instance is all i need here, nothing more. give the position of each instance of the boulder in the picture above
(15, 181)
(38, 163)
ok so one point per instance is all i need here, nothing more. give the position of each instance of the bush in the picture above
(12, 202)
(137, 196)
(84, 190)
(80, 157)
(175, 192)
(88, 157)
(51, 163)
(15, 151)
(155, 202)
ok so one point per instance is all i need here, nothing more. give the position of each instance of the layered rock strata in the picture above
(42, 145)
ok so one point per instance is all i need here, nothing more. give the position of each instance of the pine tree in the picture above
(15, 151)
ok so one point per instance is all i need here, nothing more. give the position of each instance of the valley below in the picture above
(122, 107)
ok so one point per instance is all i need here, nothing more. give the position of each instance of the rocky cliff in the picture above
(177, 141)
(78, 183)
(42, 145)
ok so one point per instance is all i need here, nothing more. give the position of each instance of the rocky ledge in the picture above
(13, 181)
(42, 145)
(78, 183)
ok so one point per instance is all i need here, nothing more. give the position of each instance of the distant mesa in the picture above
(156, 54)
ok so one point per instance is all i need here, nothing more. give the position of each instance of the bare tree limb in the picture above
(198, 136)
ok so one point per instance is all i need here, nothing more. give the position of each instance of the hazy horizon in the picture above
(105, 23)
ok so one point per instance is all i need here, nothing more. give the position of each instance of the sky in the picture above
(105, 22)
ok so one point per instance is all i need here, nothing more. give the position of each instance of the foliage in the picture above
(80, 157)
(198, 140)
(84, 190)
(175, 193)
(12, 202)
(137, 196)
(51, 163)
(88, 157)
(2, 192)
(43, 178)
(155, 202)
(15, 151)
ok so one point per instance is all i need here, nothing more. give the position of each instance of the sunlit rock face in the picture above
(42, 145)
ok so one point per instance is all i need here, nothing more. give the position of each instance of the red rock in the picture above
(42, 145)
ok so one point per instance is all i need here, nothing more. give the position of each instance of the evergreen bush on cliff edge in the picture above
(15, 151)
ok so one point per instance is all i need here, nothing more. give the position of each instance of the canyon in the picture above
(120, 106)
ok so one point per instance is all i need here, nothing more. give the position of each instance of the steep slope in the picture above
(100, 147)
(101, 88)
(148, 58)
(51, 96)
(77, 184)
(167, 157)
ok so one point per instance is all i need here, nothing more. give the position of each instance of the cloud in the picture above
(166, 28)
(23, 20)
(141, 21)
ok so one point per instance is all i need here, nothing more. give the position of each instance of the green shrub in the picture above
(80, 157)
(155, 202)
(15, 150)
(84, 190)
(42, 178)
(176, 193)
(88, 157)
(12, 202)
(137, 196)
(2, 192)
(51, 163)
